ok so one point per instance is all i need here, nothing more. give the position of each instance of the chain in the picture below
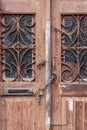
(53, 77)
(41, 90)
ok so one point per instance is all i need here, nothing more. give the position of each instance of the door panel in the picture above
(69, 92)
(24, 48)
(17, 113)
(75, 113)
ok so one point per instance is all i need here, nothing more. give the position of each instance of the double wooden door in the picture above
(22, 64)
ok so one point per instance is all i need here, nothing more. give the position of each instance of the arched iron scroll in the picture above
(17, 47)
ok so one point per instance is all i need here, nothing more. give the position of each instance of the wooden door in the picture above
(69, 55)
(22, 26)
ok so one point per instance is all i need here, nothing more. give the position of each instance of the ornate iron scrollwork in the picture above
(17, 47)
(74, 48)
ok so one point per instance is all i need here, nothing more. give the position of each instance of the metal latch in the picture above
(40, 91)
(39, 94)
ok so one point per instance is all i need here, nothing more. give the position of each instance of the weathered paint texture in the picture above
(68, 108)
(69, 101)
(48, 65)
(24, 112)
(71, 105)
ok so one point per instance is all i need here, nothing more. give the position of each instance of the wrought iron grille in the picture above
(17, 47)
(74, 48)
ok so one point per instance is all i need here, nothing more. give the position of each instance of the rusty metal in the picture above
(73, 48)
(51, 79)
(39, 95)
(17, 47)
(40, 91)
(28, 91)
(18, 91)
(42, 63)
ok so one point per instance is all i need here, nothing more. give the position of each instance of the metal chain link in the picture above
(40, 90)
(53, 77)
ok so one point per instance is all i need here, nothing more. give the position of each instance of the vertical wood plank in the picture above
(64, 118)
(70, 114)
(56, 112)
(3, 114)
(33, 116)
(56, 54)
(26, 119)
(16, 115)
(9, 117)
(63, 111)
(78, 115)
(85, 116)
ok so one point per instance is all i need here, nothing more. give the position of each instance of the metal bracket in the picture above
(41, 63)
(39, 94)
(40, 91)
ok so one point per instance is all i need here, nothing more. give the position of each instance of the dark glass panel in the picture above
(10, 24)
(18, 37)
(26, 60)
(74, 47)
(70, 56)
(10, 63)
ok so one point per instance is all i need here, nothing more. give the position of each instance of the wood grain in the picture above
(24, 113)
(76, 98)
(18, 113)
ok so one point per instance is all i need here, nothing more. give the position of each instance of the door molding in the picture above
(48, 64)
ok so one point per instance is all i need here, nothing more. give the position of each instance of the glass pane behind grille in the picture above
(18, 47)
(74, 48)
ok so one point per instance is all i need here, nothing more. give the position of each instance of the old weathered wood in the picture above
(24, 112)
(20, 111)
(69, 101)
(63, 106)
(48, 64)
(79, 115)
